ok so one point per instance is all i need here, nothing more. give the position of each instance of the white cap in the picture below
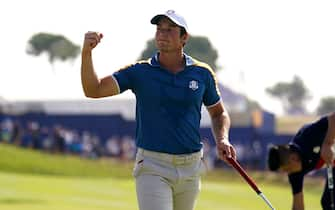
(173, 16)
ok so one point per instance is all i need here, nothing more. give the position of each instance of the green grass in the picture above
(15, 159)
(78, 184)
(40, 192)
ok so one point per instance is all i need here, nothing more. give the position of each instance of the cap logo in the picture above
(193, 85)
(170, 12)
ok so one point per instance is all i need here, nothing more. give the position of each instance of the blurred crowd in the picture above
(60, 139)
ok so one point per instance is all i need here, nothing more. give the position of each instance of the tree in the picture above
(56, 46)
(326, 105)
(198, 47)
(293, 95)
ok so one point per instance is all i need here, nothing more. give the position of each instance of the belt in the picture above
(171, 158)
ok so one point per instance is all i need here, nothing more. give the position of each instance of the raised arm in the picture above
(93, 86)
(220, 128)
(327, 150)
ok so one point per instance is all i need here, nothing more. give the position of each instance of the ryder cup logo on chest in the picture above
(193, 85)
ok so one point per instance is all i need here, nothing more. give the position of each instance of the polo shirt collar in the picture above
(154, 60)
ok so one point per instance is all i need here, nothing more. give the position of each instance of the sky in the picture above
(259, 42)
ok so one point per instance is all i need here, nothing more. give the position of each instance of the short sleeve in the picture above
(124, 78)
(212, 94)
(296, 181)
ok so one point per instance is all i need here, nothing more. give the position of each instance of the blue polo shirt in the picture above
(307, 142)
(168, 106)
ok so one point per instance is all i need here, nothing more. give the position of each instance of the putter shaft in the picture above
(266, 201)
(249, 180)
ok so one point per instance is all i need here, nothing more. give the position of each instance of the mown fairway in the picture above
(68, 191)
(28, 192)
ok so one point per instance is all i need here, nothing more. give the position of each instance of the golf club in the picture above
(330, 185)
(251, 182)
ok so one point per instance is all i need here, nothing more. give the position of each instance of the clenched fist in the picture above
(91, 40)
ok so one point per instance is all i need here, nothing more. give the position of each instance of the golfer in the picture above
(310, 149)
(170, 89)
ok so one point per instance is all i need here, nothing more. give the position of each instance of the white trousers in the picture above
(167, 182)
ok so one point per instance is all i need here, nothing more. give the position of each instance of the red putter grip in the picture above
(242, 172)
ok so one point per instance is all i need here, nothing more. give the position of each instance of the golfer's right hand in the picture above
(91, 40)
(225, 150)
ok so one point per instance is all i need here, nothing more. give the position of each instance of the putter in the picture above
(251, 182)
(330, 185)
